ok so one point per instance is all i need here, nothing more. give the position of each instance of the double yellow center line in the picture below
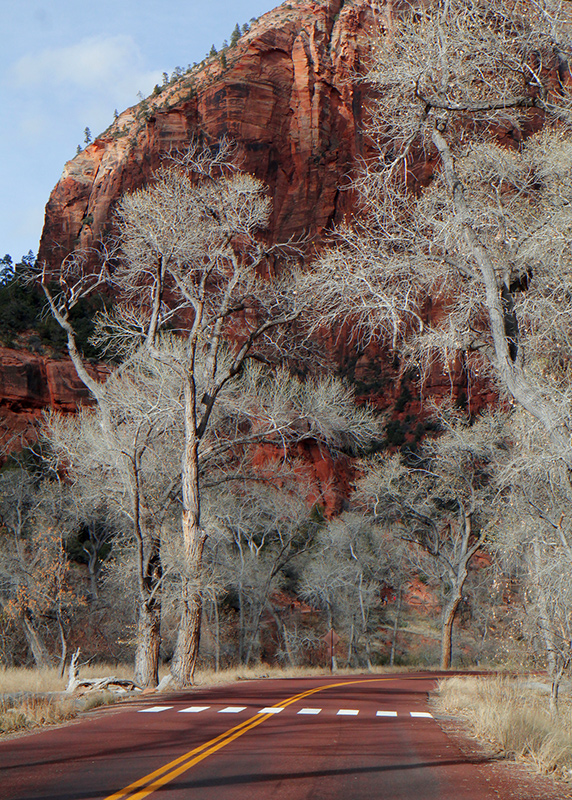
(165, 774)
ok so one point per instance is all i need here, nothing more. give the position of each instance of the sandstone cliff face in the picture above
(288, 97)
(31, 383)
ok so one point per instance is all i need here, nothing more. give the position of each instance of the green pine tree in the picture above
(235, 35)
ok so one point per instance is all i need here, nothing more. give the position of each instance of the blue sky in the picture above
(65, 66)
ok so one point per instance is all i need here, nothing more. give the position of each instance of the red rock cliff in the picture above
(287, 95)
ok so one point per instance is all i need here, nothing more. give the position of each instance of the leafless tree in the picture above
(534, 541)
(259, 534)
(464, 246)
(34, 567)
(190, 258)
(349, 566)
(439, 499)
(122, 455)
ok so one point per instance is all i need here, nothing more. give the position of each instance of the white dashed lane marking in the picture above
(232, 709)
(193, 709)
(342, 712)
(154, 709)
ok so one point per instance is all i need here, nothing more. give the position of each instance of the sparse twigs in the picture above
(463, 249)
(441, 500)
(199, 305)
(533, 542)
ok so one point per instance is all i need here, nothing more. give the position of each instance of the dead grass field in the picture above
(512, 715)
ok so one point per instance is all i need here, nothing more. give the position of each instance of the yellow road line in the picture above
(165, 774)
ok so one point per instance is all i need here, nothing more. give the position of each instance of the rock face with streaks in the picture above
(30, 383)
(286, 93)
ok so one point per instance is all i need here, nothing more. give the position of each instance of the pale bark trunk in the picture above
(395, 628)
(149, 604)
(449, 613)
(148, 644)
(514, 377)
(38, 649)
(554, 671)
(194, 538)
(458, 578)
(188, 638)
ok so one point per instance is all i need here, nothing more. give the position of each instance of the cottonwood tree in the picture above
(122, 455)
(349, 566)
(190, 258)
(259, 533)
(37, 590)
(533, 541)
(439, 500)
(251, 477)
(464, 248)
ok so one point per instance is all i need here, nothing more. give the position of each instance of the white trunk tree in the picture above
(190, 259)
(464, 245)
(440, 499)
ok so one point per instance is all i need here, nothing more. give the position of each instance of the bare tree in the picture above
(344, 577)
(440, 499)
(122, 454)
(259, 533)
(533, 540)
(190, 258)
(34, 568)
(465, 243)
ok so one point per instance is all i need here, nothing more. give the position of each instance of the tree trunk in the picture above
(194, 538)
(148, 644)
(188, 638)
(189, 633)
(554, 670)
(39, 651)
(395, 628)
(447, 629)
(149, 604)
(217, 634)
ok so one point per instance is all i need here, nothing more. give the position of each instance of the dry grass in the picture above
(19, 679)
(206, 677)
(512, 715)
(34, 712)
(14, 679)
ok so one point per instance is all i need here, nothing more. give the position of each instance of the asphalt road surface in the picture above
(350, 738)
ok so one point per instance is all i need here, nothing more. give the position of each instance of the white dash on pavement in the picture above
(386, 713)
(154, 709)
(309, 711)
(348, 712)
(193, 709)
(270, 710)
(232, 709)
(421, 714)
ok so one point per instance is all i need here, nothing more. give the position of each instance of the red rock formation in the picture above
(287, 96)
(31, 383)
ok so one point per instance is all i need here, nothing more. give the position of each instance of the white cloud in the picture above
(97, 64)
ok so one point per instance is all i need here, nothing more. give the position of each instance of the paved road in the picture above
(320, 739)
